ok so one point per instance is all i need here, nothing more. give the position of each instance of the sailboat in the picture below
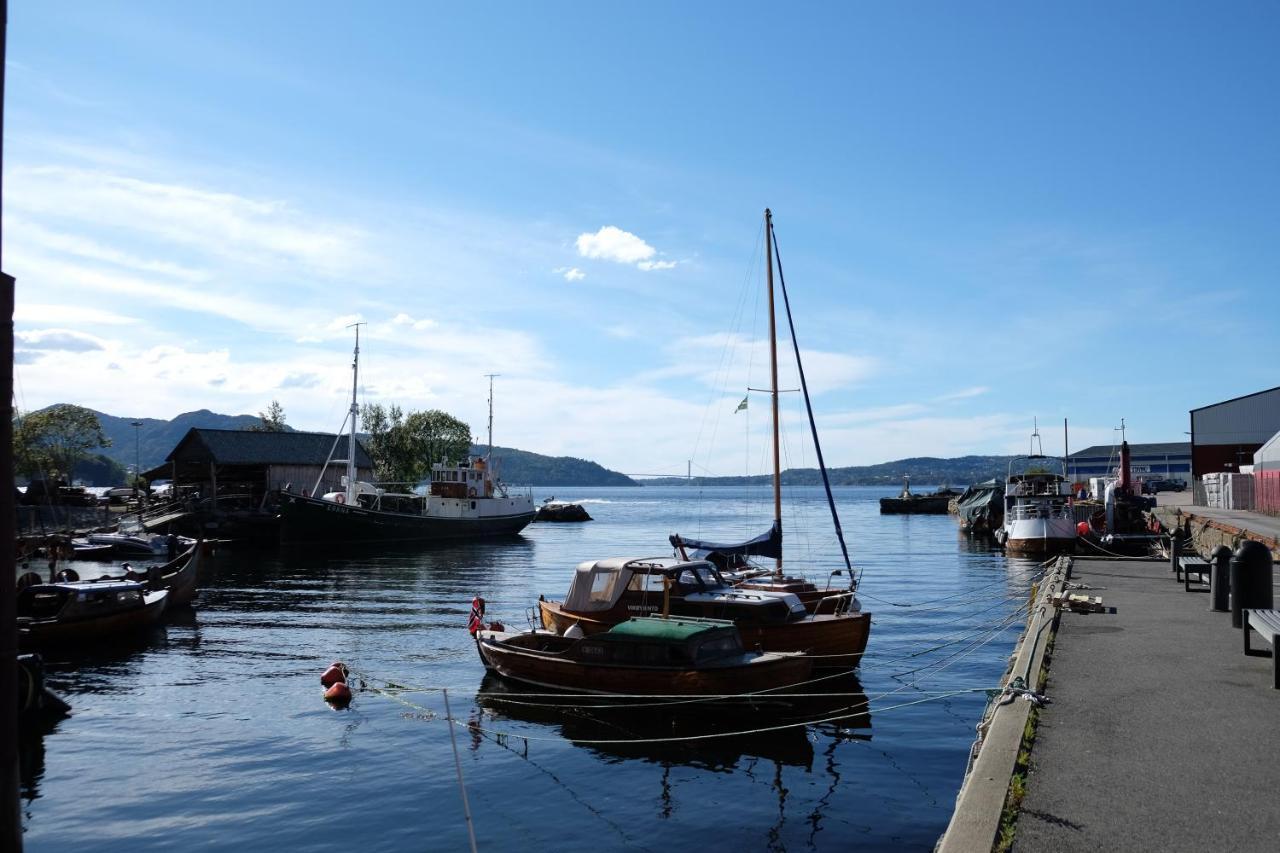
(779, 612)
(465, 499)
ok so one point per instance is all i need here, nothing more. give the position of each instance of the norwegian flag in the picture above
(476, 620)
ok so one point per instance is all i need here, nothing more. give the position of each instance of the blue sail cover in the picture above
(765, 545)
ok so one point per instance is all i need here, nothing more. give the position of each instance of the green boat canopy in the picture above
(670, 630)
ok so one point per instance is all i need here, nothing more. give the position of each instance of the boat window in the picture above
(717, 647)
(700, 576)
(645, 583)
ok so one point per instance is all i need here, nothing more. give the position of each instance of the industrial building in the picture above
(1169, 460)
(1224, 436)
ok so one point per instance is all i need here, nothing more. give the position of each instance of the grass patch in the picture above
(1018, 782)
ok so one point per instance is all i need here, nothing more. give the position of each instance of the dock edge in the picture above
(975, 823)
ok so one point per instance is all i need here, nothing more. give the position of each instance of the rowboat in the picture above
(67, 612)
(649, 656)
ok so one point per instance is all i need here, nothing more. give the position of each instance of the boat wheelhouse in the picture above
(1039, 515)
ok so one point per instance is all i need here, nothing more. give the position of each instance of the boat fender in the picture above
(340, 498)
(67, 575)
(28, 579)
(476, 620)
(338, 695)
(575, 631)
(335, 674)
(1082, 529)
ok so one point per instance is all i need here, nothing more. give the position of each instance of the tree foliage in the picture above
(404, 445)
(272, 419)
(50, 442)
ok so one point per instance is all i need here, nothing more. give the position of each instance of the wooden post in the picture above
(10, 813)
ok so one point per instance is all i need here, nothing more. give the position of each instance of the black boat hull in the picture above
(313, 521)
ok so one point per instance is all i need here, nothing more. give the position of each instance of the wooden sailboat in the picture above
(771, 611)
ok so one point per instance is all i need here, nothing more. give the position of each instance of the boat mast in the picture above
(355, 412)
(773, 378)
(490, 453)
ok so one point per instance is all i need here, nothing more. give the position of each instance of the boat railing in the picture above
(1044, 509)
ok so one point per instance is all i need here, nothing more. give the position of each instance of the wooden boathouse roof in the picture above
(246, 447)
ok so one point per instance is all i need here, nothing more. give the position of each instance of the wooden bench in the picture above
(1267, 624)
(1188, 566)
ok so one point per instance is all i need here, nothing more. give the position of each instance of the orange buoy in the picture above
(335, 674)
(339, 693)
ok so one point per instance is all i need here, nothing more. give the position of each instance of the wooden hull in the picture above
(50, 632)
(546, 670)
(315, 521)
(178, 578)
(835, 641)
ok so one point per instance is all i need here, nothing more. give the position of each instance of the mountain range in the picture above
(151, 441)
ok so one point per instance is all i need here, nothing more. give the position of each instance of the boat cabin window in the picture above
(645, 583)
(697, 577)
(718, 647)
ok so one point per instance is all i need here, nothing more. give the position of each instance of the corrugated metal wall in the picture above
(1226, 435)
(1266, 476)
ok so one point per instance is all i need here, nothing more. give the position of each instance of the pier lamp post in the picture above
(137, 456)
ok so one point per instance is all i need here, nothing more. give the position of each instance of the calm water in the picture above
(213, 735)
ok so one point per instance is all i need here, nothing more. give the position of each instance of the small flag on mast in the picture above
(741, 406)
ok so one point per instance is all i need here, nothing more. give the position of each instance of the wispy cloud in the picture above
(570, 273)
(62, 340)
(963, 394)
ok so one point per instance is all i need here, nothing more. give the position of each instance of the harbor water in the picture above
(212, 735)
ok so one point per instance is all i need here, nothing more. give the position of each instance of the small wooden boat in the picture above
(648, 656)
(85, 611)
(605, 593)
(178, 576)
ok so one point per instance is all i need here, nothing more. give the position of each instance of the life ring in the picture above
(340, 498)
(471, 492)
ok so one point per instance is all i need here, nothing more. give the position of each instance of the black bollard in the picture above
(1250, 580)
(1175, 549)
(1220, 579)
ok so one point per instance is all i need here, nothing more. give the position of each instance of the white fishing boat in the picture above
(1039, 517)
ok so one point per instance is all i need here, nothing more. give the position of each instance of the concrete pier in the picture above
(1161, 734)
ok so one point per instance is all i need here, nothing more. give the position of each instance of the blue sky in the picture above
(988, 214)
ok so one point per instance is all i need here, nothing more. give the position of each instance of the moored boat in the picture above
(649, 656)
(66, 612)
(980, 510)
(178, 576)
(909, 503)
(605, 593)
(1039, 517)
(464, 500)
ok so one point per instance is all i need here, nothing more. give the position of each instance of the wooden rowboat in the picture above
(86, 611)
(644, 656)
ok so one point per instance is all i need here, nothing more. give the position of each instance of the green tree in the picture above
(50, 442)
(404, 446)
(272, 419)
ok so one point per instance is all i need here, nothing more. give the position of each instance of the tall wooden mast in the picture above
(773, 378)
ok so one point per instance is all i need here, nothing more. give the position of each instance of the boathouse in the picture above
(1170, 460)
(247, 466)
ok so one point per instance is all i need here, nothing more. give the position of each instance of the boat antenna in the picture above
(773, 386)
(355, 413)
(490, 453)
(772, 239)
(1035, 438)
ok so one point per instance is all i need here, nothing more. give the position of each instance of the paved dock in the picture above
(1161, 733)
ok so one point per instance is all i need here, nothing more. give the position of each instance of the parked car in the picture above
(1157, 486)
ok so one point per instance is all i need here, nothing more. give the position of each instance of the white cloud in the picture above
(611, 243)
(63, 340)
(574, 274)
(656, 265)
(403, 319)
